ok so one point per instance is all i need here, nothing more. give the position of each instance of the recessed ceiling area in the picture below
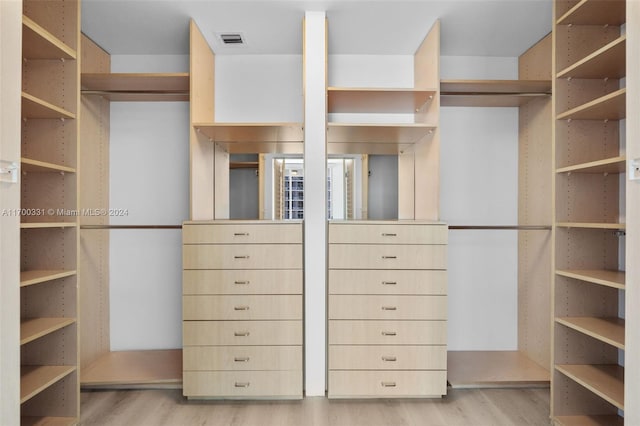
(469, 27)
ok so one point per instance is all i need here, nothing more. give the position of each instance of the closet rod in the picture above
(130, 226)
(504, 227)
(134, 92)
(497, 94)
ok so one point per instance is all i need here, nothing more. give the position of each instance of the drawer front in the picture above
(237, 281)
(242, 307)
(238, 358)
(387, 357)
(387, 332)
(243, 384)
(238, 233)
(238, 256)
(387, 307)
(241, 333)
(345, 281)
(368, 256)
(387, 234)
(387, 384)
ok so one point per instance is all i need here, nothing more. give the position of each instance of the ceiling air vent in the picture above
(232, 39)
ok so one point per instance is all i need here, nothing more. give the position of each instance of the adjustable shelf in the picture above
(608, 330)
(492, 93)
(39, 43)
(594, 12)
(608, 165)
(36, 378)
(606, 62)
(33, 107)
(34, 328)
(609, 107)
(28, 278)
(48, 421)
(615, 279)
(137, 86)
(35, 166)
(255, 137)
(589, 420)
(243, 164)
(378, 100)
(591, 225)
(38, 225)
(604, 380)
(405, 133)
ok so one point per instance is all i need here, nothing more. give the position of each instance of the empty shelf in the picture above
(591, 225)
(595, 12)
(137, 86)
(38, 225)
(593, 420)
(615, 279)
(48, 421)
(374, 100)
(492, 93)
(34, 379)
(33, 107)
(34, 328)
(608, 61)
(29, 165)
(38, 43)
(608, 107)
(40, 276)
(402, 133)
(606, 381)
(608, 330)
(609, 165)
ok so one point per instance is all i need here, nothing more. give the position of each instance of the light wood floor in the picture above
(462, 407)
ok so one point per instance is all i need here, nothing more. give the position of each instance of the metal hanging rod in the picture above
(130, 226)
(133, 92)
(504, 227)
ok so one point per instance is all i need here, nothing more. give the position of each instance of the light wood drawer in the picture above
(387, 357)
(237, 281)
(387, 332)
(238, 256)
(367, 256)
(242, 307)
(242, 333)
(236, 358)
(242, 384)
(235, 233)
(400, 233)
(344, 281)
(387, 384)
(388, 307)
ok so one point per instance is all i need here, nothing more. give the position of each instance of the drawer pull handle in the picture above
(241, 282)
(389, 283)
(389, 359)
(241, 359)
(387, 234)
(389, 333)
(240, 234)
(241, 333)
(389, 308)
(240, 308)
(241, 257)
(242, 384)
(388, 384)
(389, 257)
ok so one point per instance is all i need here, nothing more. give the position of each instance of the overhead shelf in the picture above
(609, 165)
(376, 100)
(492, 93)
(243, 165)
(609, 107)
(593, 420)
(36, 378)
(606, 381)
(608, 330)
(38, 43)
(615, 279)
(35, 166)
(38, 225)
(28, 278)
(48, 421)
(606, 62)
(33, 107)
(34, 328)
(255, 137)
(595, 12)
(591, 225)
(402, 133)
(137, 86)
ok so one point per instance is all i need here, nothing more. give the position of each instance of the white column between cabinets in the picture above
(315, 201)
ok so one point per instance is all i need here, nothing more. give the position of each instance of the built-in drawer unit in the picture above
(387, 309)
(242, 309)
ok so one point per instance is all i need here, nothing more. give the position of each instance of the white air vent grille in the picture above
(231, 39)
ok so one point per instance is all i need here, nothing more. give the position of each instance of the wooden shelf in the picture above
(608, 330)
(48, 421)
(138, 87)
(409, 133)
(609, 165)
(376, 100)
(615, 279)
(606, 62)
(604, 420)
(33, 107)
(595, 12)
(475, 369)
(126, 369)
(28, 278)
(606, 381)
(39, 225)
(38, 43)
(243, 165)
(35, 166)
(591, 225)
(608, 107)
(36, 378)
(492, 93)
(34, 328)
(255, 138)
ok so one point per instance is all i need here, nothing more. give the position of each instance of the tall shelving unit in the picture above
(589, 213)
(49, 387)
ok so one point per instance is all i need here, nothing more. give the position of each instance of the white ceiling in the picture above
(383, 27)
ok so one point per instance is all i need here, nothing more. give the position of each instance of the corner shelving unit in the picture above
(588, 232)
(49, 384)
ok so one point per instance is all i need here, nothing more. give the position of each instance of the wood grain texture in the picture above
(122, 369)
(390, 233)
(237, 256)
(380, 281)
(388, 256)
(242, 307)
(386, 384)
(237, 232)
(242, 358)
(242, 333)
(387, 332)
(286, 384)
(387, 307)
(369, 357)
(256, 281)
